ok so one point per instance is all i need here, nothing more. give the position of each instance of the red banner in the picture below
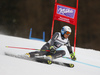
(65, 14)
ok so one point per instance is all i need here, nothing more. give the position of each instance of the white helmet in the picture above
(65, 29)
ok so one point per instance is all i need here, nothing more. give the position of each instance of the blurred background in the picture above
(18, 16)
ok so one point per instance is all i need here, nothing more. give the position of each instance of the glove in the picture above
(52, 50)
(73, 56)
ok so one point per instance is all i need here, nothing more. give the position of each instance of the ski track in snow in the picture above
(87, 63)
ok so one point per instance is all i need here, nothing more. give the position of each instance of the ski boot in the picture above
(49, 59)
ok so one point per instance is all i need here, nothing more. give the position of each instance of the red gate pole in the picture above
(53, 20)
(76, 26)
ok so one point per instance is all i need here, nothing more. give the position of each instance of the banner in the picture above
(65, 14)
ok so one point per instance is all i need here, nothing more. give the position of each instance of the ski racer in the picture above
(59, 39)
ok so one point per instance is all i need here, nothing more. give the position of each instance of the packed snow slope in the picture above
(87, 63)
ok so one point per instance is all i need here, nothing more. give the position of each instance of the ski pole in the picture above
(21, 48)
(26, 48)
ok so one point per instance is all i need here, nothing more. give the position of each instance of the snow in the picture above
(87, 63)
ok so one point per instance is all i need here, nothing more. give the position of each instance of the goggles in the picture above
(67, 33)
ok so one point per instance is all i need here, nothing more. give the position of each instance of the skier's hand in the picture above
(73, 56)
(52, 50)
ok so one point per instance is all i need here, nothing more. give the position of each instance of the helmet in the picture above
(65, 29)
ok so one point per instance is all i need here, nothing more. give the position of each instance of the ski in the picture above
(63, 64)
(47, 61)
(41, 60)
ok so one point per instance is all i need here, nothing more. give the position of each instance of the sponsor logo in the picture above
(64, 19)
(65, 11)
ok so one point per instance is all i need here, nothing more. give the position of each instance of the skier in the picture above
(58, 40)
